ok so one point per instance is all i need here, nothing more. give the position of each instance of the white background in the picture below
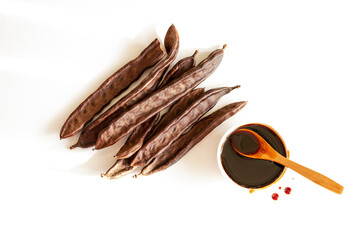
(297, 63)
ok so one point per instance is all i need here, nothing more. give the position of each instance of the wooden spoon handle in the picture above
(311, 175)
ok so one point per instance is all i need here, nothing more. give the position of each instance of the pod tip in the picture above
(237, 86)
(224, 46)
(196, 52)
(74, 146)
(121, 156)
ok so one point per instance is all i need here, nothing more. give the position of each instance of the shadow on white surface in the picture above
(130, 49)
(100, 161)
(200, 164)
(69, 106)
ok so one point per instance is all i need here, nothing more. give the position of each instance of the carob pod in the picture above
(120, 168)
(187, 141)
(110, 88)
(158, 142)
(158, 100)
(179, 68)
(137, 137)
(176, 109)
(89, 135)
(178, 148)
(130, 147)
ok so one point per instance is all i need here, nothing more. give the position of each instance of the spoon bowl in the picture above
(260, 149)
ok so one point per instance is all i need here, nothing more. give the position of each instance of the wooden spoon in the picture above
(264, 151)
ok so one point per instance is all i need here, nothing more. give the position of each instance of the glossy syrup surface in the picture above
(247, 172)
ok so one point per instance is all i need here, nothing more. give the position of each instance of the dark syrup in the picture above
(251, 173)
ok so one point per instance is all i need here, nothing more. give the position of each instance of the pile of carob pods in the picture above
(155, 142)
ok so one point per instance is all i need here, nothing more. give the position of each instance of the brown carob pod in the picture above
(132, 146)
(110, 88)
(187, 141)
(122, 166)
(179, 68)
(178, 148)
(176, 109)
(158, 142)
(137, 137)
(89, 135)
(158, 100)
(119, 169)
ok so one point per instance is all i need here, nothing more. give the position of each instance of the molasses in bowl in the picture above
(248, 172)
